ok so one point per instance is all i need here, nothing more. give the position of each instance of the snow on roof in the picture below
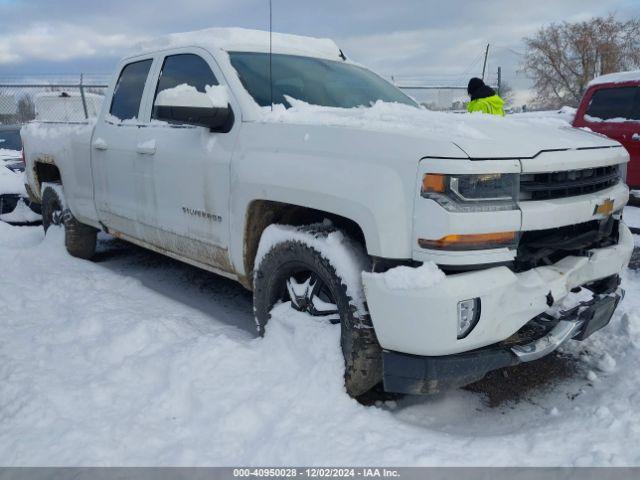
(618, 77)
(246, 40)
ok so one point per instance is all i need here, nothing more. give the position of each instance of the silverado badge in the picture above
(604, 208)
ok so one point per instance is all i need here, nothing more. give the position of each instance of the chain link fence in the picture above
(58, 101)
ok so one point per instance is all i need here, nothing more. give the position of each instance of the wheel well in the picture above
(47, 172)
(262, 213)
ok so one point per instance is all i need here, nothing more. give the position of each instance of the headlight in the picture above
(472, 193)
(622, 172)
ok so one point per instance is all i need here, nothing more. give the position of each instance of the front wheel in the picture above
(79, 239)
(303, 271)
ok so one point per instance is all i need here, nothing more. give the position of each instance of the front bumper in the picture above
(418, 375)
(423, 321)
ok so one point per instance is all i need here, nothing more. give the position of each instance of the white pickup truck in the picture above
(444, 245)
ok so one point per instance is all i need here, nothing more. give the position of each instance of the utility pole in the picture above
(499, 79)
(484, 66)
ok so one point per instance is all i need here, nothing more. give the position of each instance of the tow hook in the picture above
(550, 300)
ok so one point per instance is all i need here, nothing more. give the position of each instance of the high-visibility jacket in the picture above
(492, 105)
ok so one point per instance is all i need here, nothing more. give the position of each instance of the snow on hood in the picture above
(478, 135)
(247, 40)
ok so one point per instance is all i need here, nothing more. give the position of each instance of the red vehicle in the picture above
(611, 106)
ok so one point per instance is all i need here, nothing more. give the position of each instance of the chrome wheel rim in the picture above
(309, 294)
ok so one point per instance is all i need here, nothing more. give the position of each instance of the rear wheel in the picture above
(295, 271)
(79, 239)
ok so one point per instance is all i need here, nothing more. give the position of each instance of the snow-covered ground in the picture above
(631, 216)
(135, 359)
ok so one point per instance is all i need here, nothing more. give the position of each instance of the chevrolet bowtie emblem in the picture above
(604, 208)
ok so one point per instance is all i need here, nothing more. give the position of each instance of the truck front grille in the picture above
(569, 183)
(545, 247)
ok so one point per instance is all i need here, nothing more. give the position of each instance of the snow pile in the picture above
(466, 130)
(381, 116)
(247, 40)
(184, 95)
(21, 214)
(6, 154)
(631, 216)
(10, 181)
(405, 278)
(563, 116)
(218, 95)
(618, 77)
(139, 360)
(346, 256)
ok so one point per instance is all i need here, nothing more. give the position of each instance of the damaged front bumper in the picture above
(418, 327)
(424, 320)
(413, 374)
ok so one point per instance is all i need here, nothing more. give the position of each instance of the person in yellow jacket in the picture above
(484, 98)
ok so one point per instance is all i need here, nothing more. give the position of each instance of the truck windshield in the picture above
(313, 80)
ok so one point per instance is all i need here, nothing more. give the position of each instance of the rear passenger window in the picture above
(610, 103)
(127, 95)
(187, 69)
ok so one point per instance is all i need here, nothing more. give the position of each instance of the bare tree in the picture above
(506, 93)
(26, 109)
(563, 57)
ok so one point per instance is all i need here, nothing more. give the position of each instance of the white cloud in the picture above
(62, 42)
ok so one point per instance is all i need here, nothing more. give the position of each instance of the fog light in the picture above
(468, 316)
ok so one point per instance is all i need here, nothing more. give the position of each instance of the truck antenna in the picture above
(270, 53)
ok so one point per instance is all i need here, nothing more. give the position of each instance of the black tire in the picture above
(360, 347)
(79, 239)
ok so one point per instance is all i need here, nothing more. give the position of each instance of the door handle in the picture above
(100, 144)
(635, 137)
(146, 148)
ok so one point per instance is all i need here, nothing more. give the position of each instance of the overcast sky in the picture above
(417, 40)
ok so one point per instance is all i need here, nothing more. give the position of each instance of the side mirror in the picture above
(185, 105)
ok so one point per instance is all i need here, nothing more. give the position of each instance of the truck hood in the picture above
(515, 140)
(479, 136)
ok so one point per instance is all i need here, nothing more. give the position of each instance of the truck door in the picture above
(117, 192)
(614, 111)
(187, 168)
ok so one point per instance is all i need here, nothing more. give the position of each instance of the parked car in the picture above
(15, 205)
(445, 246)
(611, 106)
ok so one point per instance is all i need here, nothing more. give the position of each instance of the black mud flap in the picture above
(597, 316)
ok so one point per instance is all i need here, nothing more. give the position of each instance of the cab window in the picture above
(187, 69)
(127, 95)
